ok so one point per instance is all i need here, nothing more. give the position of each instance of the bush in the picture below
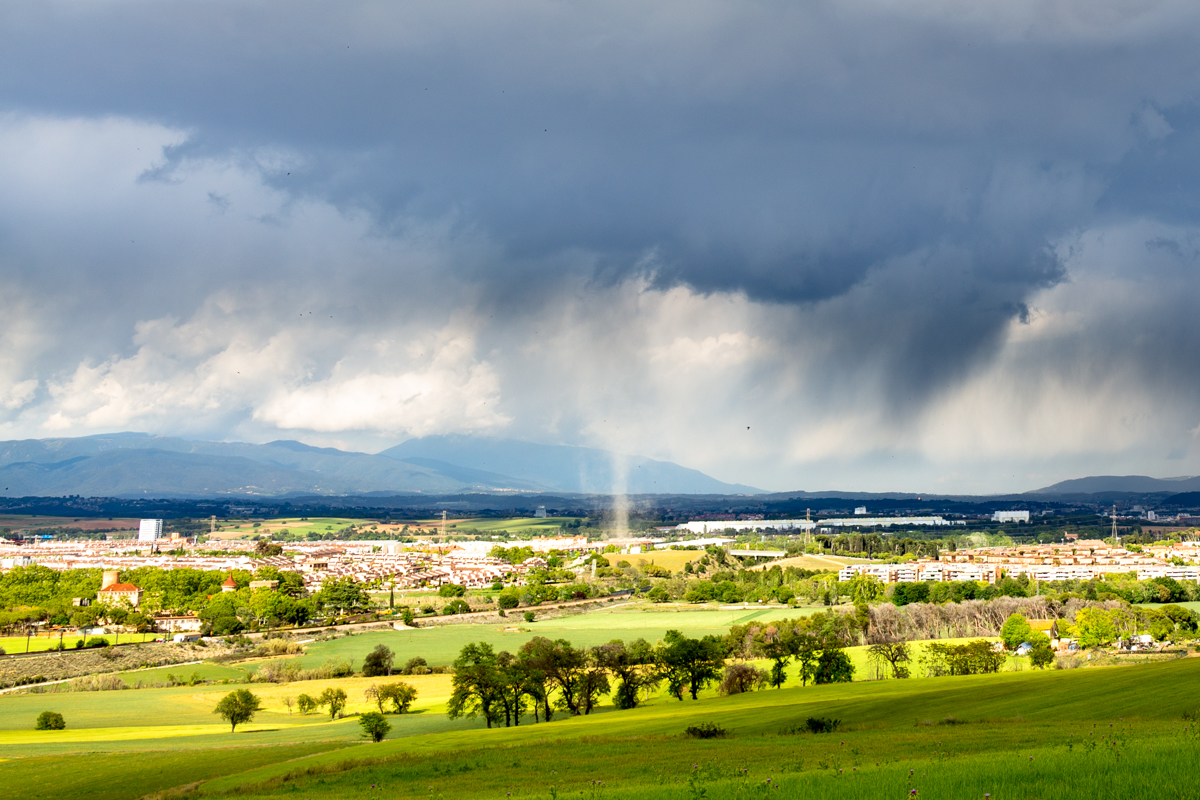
(456, 607)
(414, 663)
(97, 641)
(508, 600)
(821, 724)
(50, 721)
(706, 730)
(530, 616)
(452, 590)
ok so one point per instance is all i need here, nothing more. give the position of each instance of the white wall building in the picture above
(722, 525)
(884, 522)
(149, 530)
(1010, 516)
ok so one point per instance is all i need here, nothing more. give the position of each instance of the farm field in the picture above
(671, 559)
(240, 529)
(534, 526)
(37, 644)
(1015, 734)
(20, 521)
(440, 645)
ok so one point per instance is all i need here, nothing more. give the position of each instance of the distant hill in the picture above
(141, 465)
(1136, 484)
(563, 468)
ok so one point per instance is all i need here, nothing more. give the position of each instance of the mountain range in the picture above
(1132, 484)
(144, 465)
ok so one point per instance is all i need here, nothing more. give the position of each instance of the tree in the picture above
(897, 655)
(865, 588)
(238, 707)
(343, 595)
(375, 726)
(335, 699)
(740, 678)
(1042, 655)
(833, 666)
(306, 704)
(537, 683)
(690, 664)
(780, 648)
(451, 590)
(378, 662)
(1094, 627)
(633, 667)
(564, 667)
(401, 695)
(808, 649)
(475, 685)
(50, 721)
(1015, 631)
(372, 694)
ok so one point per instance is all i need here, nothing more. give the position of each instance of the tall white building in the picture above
(149, 530)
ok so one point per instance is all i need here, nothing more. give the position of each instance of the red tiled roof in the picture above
(230, 582)
(121, 587)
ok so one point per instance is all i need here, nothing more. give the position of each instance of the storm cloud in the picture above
(870, 245)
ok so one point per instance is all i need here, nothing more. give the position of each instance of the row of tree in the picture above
(544, 676)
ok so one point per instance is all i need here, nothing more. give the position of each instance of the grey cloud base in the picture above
(832, 243)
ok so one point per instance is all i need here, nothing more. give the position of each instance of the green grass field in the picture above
(440, 645)
(534, 526)
(888, 727)
(960, 737)
(38, 644)
(1029, 734)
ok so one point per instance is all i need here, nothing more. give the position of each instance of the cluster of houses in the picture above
(1082, 559)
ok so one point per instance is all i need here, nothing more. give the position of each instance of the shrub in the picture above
(508, 600)
(821, 724)
(50, 721)
(97, 641)
(458, 606)
(530, 616)
(706, 730)
(412, 664)
(451, 590)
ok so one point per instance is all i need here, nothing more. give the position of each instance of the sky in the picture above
(855, 244)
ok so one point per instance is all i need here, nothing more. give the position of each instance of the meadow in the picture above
(961, 737)
(440, 645)
(1020, 733)
(42, 642)
(1028, 734)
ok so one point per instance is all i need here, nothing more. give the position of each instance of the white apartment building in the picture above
(149, 530)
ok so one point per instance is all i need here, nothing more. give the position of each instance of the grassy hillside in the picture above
(961, 737)
(1013, 735)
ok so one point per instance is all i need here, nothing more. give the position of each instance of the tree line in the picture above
(548, 676)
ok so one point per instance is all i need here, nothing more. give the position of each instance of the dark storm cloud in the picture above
(918, 161)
